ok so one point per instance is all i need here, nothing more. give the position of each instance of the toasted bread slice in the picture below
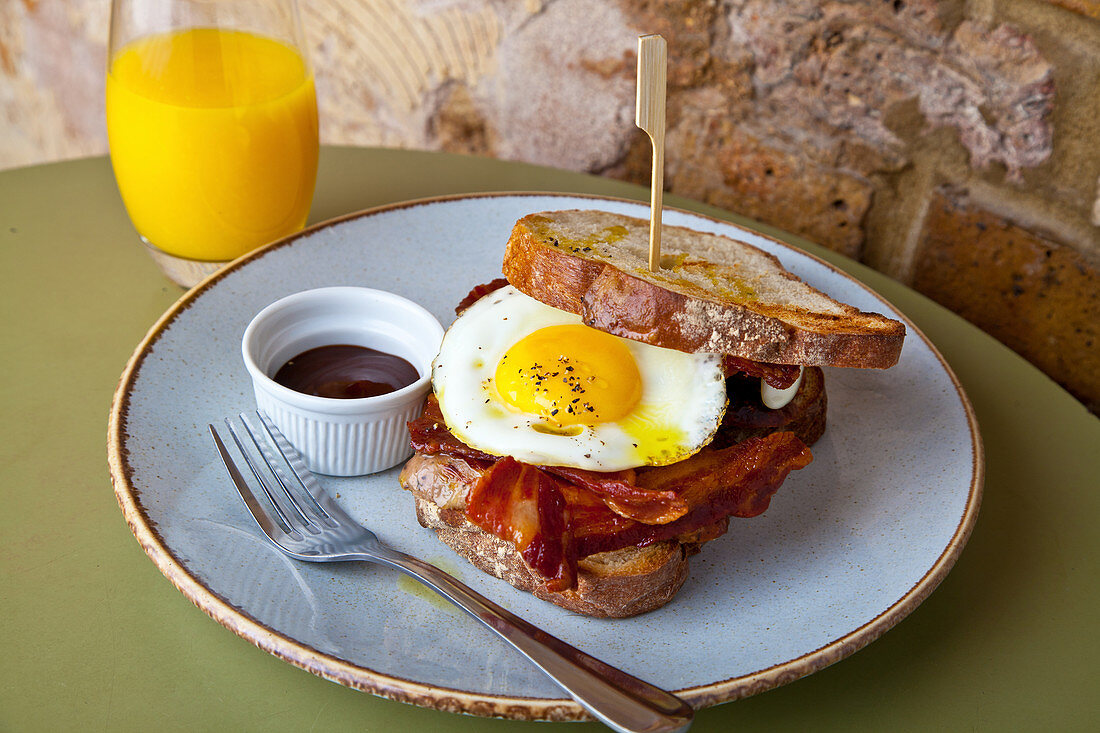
(712, 293)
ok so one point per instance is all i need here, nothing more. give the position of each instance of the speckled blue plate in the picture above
(849, 546)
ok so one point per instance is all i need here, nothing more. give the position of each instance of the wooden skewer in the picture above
(650, 116)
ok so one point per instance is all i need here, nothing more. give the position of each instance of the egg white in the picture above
(683, 395)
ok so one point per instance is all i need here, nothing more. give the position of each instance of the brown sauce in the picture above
(346, 372)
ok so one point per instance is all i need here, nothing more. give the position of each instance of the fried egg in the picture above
(516, 377)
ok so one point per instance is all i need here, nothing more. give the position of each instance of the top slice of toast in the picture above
(712, 293)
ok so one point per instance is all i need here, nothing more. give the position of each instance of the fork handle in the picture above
(621, 701)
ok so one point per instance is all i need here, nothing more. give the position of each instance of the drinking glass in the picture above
(212, 125)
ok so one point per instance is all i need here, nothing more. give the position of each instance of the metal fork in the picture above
(307, 524)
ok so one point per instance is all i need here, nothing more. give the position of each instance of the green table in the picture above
(93, 637)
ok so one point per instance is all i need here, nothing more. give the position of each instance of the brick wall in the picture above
(952, 145)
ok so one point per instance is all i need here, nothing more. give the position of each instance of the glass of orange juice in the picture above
(212, 125)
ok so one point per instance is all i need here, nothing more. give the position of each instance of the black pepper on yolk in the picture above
(570, 375)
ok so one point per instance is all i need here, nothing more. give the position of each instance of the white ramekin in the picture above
(342, 437)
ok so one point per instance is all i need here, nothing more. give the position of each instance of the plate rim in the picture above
(446, 699)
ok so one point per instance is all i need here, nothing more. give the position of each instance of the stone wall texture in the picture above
(952, 144)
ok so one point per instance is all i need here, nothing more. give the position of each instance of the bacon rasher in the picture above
(779, 376)
(555, 516)
(429, 435)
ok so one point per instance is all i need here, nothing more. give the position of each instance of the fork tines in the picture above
(278, 469)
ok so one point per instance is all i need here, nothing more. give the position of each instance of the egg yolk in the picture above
(570, 375)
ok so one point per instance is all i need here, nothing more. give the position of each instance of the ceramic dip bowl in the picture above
(342, 436)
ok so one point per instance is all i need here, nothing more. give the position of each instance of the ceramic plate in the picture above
(849, 546)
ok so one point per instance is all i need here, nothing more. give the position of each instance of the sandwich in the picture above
(593, 424)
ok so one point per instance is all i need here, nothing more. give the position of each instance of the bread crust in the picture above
(740, 302)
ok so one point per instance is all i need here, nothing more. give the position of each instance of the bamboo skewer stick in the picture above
(650, 116)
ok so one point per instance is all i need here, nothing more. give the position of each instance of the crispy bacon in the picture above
(525, 506)
(618, 490)
(738, 481)
(553, 521)
(479, 292)
(429, 435)
(779, 376)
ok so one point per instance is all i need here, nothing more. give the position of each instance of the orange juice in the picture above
(213, 137)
